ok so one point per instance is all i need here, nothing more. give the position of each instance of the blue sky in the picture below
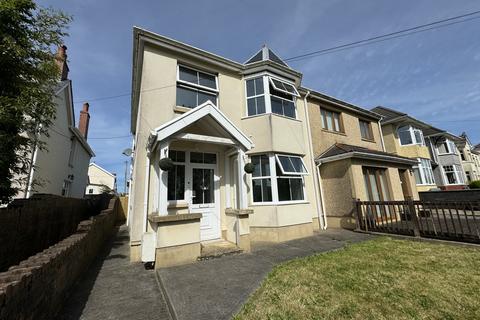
(434, 75)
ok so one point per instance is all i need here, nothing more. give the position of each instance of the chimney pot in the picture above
(84, 121)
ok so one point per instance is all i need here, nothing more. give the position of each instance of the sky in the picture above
(433, 76)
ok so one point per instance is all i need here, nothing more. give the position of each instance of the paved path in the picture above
(114, 288)
(216, 289)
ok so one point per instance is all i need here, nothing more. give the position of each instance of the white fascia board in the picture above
(204, 138)
(206, 109)
(367, 156)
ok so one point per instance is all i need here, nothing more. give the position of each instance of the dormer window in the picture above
(410, 135)
(266, 94)
(195, 87)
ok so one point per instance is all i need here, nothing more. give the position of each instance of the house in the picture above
(404, 135)
(446, 160)
(100, 180)
(62, 168)
(352, 160)
(221, 150)
(470, 156)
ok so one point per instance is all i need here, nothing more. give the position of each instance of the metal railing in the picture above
(448, 220)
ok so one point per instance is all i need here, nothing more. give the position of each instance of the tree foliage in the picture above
(29, 36)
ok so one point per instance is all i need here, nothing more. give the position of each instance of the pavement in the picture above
(114, 288)
(217, 288)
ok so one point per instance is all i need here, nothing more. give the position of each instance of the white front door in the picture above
(205, 199)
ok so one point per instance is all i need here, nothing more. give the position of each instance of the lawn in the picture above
(378, 279)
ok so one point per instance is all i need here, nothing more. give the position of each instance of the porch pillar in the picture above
(242, 186)
(162, 180)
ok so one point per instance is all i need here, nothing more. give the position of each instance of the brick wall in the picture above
(28, 226)
(37, 287)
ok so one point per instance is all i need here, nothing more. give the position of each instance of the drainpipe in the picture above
(381, 135)
(145, 196)
(324, 213)
(316, 183)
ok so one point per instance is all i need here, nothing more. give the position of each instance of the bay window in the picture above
(410, 135)
(278, 178)
(195, 87)
(447, 147)
(423, 172)
(266, 94)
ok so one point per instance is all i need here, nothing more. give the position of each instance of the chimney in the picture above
(61, 61)
(84, 120)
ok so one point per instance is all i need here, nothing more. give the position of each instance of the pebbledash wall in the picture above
(36, 288)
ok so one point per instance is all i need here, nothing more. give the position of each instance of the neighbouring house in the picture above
(470, 156)
(446, 160)
(62, 168)
(221, 150)
(100, 180)
(352, 161)
(404, 135)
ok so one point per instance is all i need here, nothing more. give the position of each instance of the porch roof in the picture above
(205, 110)
(340, 151)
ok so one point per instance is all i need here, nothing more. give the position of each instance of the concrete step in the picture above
(217, 249)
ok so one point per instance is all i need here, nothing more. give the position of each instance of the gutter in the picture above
(367, 156)
(316, 183)
(381, 135)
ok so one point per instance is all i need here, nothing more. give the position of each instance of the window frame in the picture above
(295, 94)
(184, 164)
(411, 129)
(274, 176)
(423, 165)
(457, 171)
(263, 95)
(267, 95)
(324, 120)
(285, 172)
(370, 130)
(449, 146)
(196, 87)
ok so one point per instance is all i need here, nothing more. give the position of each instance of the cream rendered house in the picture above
(99, 178)
(211, 116)
(470, 156)
(62, 168)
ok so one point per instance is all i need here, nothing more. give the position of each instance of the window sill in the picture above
(270, 114)
(280, 203)
(177, 205)
(180, 109)
(368, 140)
(334, 132)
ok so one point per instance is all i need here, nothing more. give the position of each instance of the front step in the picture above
(217, 249)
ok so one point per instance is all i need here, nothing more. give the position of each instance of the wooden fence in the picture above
(448, 220)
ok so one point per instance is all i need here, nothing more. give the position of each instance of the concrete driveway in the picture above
(216, 289)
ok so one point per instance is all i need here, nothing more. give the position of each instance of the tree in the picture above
(28, 77)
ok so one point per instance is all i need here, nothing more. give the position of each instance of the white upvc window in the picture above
(409, 135)
(423, 172)
(267, 94)
(278, 179)
(447, 147)
(195, 87)
(453, 174)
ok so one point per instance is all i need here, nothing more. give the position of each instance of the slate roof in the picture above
(357, 152)
(387, 113)
(264, 54)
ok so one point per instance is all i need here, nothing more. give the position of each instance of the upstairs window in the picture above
(447, 147)
(331, 121)
(271, 95)
(410, 135)
(195, 87)
(366, 130)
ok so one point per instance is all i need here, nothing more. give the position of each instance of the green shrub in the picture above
(475, 184)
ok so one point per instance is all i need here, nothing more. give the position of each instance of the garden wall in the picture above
(37, 287)
(472, 195)
(28, 226)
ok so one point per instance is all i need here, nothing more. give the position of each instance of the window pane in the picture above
(405, 137)
(276, 105)
(176, 183)
(296, 186)
(251, 107)
(209, 158)
(418, 136)
(442, 148)
(278, 84)
(196, 157)
(260, 104)
(257, 190)
(298, 164)
(283, 189)
(188, 75)
(257, 171)
(336, 120)
(323, 116)
(265, 165)
(208, 186)
(250, 88)
(204, 97)
(207, 80)
(286, 164)
(289, 88)
(329, 120)
(177, 156)
(267, 190)
(186, 97)
(259, 86)
(289, 109)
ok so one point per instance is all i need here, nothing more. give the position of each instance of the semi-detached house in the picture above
(223, 150)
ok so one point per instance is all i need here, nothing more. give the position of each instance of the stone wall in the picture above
(36, 288)
(451, 195)
(28, 226)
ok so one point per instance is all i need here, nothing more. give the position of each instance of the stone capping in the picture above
(180, 109)
(239, 212)
(155, 218)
